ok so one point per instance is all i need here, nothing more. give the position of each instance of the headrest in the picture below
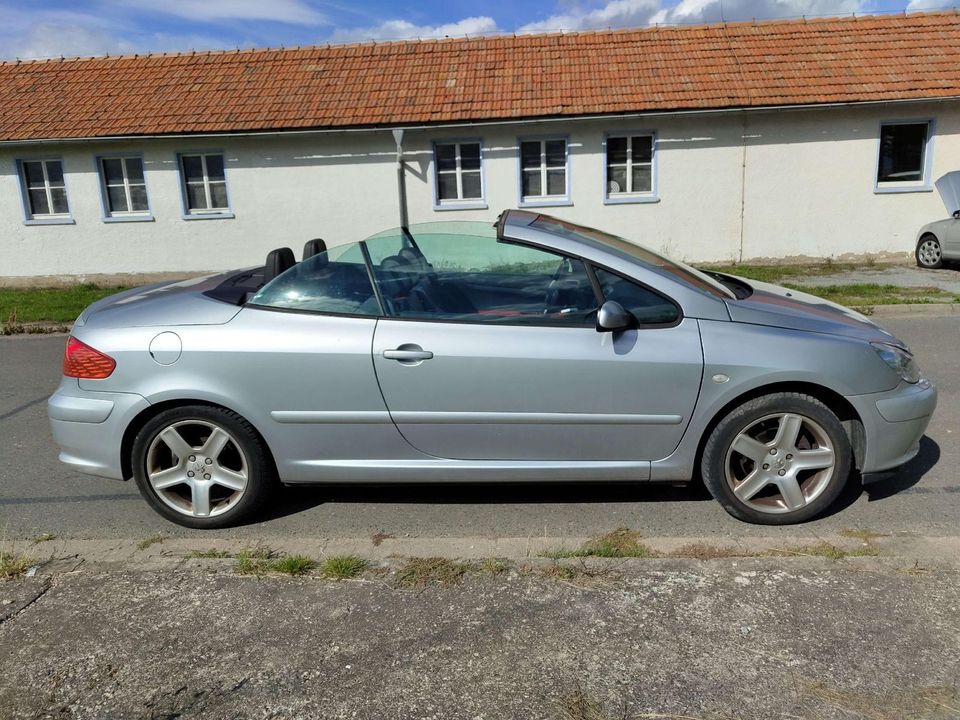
(278, 261)
(313, 247)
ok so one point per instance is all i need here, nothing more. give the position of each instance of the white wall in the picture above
(807, 189)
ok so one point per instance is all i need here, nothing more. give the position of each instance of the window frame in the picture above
(110, 216)
(925, 183)
(208, 214)
(29, 218)
(479, 203)
(598, 288)
(533, 201)
(651, 196)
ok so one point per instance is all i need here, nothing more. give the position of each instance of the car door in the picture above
(302, 367)
(490, 351)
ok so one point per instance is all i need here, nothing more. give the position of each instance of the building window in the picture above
(44, 189)
(543, 171)
(903, 156)
(124, 186)
(459, 173)
(204, 184)
(629, 166)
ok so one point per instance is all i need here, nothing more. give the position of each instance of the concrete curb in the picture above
(168, 552)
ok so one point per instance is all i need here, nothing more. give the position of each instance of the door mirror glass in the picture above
(613, 318)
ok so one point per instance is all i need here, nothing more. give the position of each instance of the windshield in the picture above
(647, 257)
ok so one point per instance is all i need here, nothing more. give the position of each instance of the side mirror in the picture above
(613, 318)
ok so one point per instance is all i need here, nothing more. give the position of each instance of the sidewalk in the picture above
(764, 638)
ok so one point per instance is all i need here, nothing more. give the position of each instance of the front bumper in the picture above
(893, 423)
(88, 426)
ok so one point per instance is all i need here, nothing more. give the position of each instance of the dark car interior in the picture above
(410, 286)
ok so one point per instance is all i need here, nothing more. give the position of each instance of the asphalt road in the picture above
(38, 495)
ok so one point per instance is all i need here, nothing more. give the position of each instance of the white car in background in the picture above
(939, 241)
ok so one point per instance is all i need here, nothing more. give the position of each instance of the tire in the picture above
(228, 479)
(760, 476)
(929, 254)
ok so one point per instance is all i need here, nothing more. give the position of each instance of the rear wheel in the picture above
(929, 253)
(202, 466)
(778, 459)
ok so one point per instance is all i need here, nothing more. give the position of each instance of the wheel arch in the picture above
(145, 415)
(837, 403)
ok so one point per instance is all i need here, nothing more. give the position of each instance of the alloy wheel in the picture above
(780, 463)
(197, 468)
(929, 252)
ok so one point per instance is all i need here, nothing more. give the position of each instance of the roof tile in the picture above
(869, 58)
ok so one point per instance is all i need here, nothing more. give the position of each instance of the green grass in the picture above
(855, 295)
(868, 294)
(294, 565)
(343, 567)
(55, 305)
(13, 565)
(152, 540)
(825, 550)
(778, 273)
(261, 560)
(621, 543)
(212, 553)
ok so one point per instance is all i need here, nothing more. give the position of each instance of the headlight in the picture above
(900, 361)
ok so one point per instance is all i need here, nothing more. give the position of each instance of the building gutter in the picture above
(486, 123)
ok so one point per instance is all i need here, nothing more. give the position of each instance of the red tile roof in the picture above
(796, 62)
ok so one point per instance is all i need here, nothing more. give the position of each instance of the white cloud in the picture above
(402, 30)
(635, 13)
(615, 14)
(46, 40)
(293, 12)
(52, 39)
(931, 4)
(733, 10)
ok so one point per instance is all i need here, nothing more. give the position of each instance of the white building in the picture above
(801, 139)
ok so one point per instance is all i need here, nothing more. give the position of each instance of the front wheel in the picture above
(202, 466)
(929, 253)
(778, 459)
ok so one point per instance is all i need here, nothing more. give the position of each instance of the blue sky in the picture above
(50, 28)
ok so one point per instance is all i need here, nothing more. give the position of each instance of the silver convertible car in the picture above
(531, 349)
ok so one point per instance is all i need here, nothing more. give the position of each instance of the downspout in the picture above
(743, 181)
(401, 180)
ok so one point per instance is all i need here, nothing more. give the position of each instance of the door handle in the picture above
(408, 353)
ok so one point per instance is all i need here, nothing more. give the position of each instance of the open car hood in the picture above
(776, 306)
(949, 188)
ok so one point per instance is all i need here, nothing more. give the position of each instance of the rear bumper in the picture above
(893, 423)
(88, 427)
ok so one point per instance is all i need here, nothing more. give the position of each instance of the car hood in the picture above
(781, 307)
(169, 303)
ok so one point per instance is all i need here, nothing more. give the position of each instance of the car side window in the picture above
(467, 278)
(335, 281)
(648, 307)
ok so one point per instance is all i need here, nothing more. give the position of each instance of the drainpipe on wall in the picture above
(743, 182)
(401, 180)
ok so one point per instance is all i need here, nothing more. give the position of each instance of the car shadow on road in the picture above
(293, 500)
(909, 475)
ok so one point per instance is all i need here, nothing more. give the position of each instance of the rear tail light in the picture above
(82, 361)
